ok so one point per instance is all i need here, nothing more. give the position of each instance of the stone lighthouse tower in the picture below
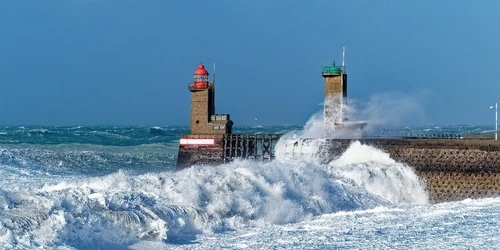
(206, 142)
(204, 121)
(335, 105)
(335, 95)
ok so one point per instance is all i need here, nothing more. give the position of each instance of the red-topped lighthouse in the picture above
(204, 121)
(205, 142)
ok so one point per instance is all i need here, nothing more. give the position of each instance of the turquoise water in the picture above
(85, 187)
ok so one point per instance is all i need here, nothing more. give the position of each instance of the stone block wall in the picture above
(451, 169)
(455, 185)
(190, 155)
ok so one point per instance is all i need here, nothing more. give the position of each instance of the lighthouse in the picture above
(209, 132)
(210, 140)
(335, 95)
(335, 105)
(204, 121)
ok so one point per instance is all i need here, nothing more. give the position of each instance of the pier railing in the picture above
(250, 146)
(261, 146)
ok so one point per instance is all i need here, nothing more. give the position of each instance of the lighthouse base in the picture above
(349, 130)
(200, 149)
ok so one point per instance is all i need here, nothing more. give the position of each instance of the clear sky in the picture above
(127, 62)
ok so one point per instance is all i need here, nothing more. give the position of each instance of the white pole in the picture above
(342, 100)
(343, 57)
(496, 121)
(214, 72)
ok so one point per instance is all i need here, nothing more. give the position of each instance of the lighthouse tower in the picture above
(204, 121)
(335, 95)
(335, 106)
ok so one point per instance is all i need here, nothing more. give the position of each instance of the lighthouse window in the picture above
(197, 121)
(219, 127)
(201, 78)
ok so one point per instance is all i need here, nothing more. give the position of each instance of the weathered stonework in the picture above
(455, 185)
(190, 155)
(451, 169)
(335, 97)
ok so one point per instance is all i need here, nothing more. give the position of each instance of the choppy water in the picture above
(116, 188)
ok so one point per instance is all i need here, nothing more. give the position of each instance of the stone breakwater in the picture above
(452, 169)
(202, 154)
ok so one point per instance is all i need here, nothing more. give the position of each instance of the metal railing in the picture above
(251, 146)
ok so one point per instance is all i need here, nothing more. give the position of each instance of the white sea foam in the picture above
(378, 174)
(123, 208)
(368, 167)
(456, 225)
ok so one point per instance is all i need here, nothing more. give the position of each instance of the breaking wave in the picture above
(124, 208)
(368, 167)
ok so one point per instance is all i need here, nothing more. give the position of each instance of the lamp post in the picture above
(496, 120)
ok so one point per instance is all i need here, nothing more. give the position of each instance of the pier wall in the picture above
(225, 148)
(451, 169)
(205, 154)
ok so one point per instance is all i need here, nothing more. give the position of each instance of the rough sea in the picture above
(81, 187)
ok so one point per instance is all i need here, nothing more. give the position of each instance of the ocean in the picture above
(105, 187)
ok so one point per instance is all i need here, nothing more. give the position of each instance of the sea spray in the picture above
(368, 167)
(317, 128)
(391, 109)
(352, 119)
(266, 193)
(303, 150)
(378, 174)
(123, 208)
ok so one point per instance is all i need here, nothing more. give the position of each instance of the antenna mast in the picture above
(214, 72)
(344, 98)
(343, 57)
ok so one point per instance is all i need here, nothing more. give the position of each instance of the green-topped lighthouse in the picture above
(335, 94)
(335, 104)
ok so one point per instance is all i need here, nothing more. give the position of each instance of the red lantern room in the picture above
(200, 78)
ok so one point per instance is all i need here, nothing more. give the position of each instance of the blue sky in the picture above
(127, 62)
